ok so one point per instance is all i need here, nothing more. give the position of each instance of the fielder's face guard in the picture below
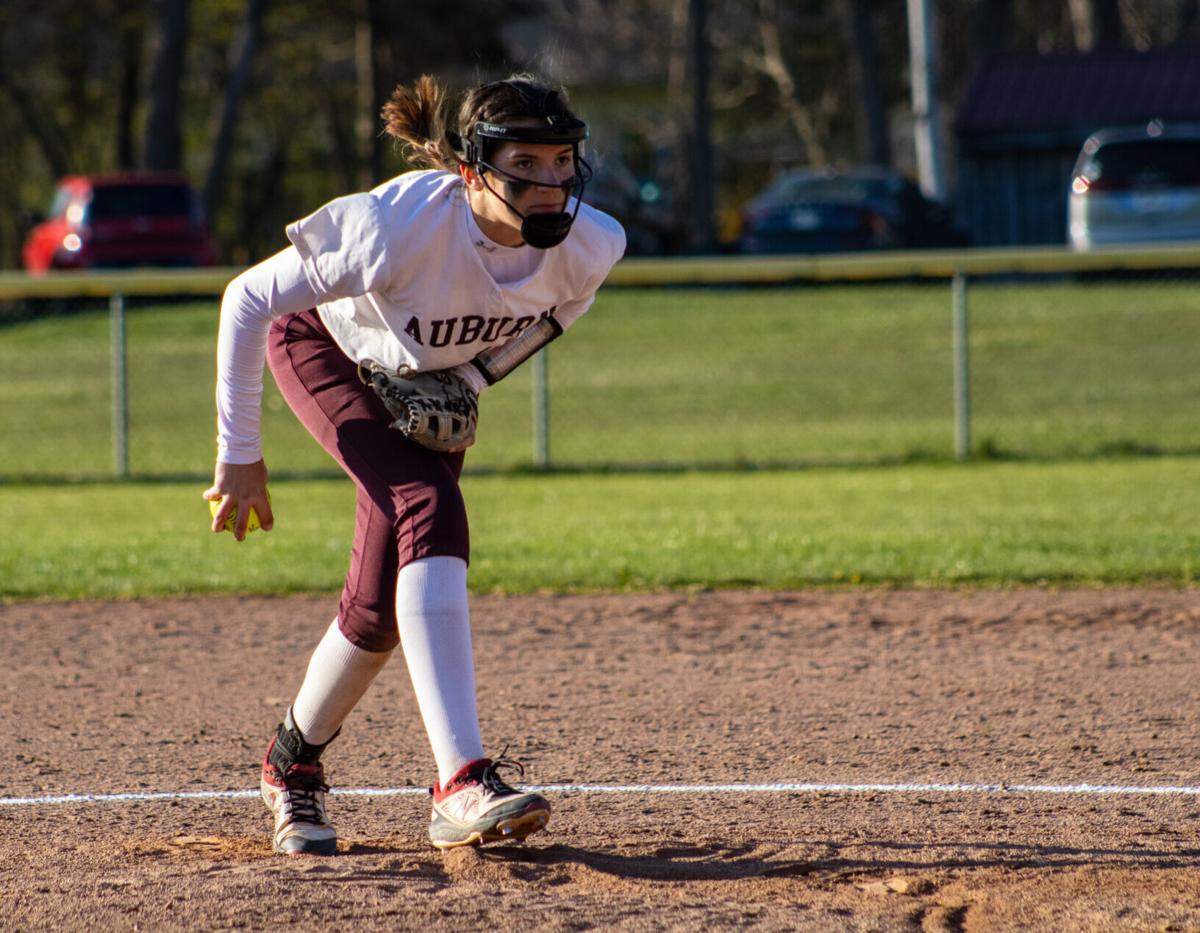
(543, 229)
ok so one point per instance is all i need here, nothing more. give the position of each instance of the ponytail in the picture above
(415, 117)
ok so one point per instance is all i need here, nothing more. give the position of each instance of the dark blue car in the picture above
(805, 211)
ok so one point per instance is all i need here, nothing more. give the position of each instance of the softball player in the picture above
(387, 315)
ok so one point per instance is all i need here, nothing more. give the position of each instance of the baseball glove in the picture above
(436, 409)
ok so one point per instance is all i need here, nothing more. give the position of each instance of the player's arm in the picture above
(495, 363)
(251, 301)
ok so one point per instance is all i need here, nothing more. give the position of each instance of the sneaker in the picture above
(293, 788)
(476, 806)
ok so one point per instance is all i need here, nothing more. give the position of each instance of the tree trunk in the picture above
(1096, 24)
(259, 207)
(775, 66)
(128, 88)
(677, 104)
(368, 159)
(164, 139)
(865, 85)
(242, 55)
(1107, 17)
(703, 230)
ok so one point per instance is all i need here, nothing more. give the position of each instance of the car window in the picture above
(836, 188)
(1143, 163)
(140, 201)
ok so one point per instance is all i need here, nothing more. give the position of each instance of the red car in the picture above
(107, 221)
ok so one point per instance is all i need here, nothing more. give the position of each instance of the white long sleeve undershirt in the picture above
(274, 287)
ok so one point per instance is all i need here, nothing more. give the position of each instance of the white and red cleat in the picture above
(477, 806)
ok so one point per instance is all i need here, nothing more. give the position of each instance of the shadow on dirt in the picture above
(715, 862)
(964, 854)
(670, 863)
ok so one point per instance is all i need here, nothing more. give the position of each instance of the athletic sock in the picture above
(435, 635)
(338, 675)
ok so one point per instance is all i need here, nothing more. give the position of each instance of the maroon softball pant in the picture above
(409, 504)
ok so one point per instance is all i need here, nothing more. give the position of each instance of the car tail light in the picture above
(72, 243)
(1102, 184)
(874, 222)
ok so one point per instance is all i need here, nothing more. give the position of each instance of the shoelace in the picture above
(302, 784)
(492, 781)
(489, 777)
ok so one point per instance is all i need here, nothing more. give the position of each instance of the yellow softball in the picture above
(252, 525)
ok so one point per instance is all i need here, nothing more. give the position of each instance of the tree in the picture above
(1096, 23)
(699, 135)
(810, 119)
(164, 134)
(131, 24)
(866, 88)
(242, 54)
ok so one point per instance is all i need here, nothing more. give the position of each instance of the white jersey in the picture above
(403, 276)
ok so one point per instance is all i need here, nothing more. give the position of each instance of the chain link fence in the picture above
(1054, 365)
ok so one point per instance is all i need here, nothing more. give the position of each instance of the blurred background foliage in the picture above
(270, 106)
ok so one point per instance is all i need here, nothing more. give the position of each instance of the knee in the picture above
(369, 627)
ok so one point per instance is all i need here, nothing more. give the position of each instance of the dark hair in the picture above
(416, 115)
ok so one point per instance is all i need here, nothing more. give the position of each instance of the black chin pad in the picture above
(542, 231)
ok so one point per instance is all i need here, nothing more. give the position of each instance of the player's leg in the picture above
(471, 803)
(292, 784)
(339, 673)
(315, 378)
(435, 635)
(293, 779)
(431, 615)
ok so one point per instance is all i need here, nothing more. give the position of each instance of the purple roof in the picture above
(1074, 94)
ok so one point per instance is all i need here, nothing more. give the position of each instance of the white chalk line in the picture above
(1095, 790)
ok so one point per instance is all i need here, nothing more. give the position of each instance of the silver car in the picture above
(1136, 185)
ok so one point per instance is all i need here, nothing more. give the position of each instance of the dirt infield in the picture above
(890, 688)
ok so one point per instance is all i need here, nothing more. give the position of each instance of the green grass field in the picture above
(802, 376)
(845, 390)
(990, 524)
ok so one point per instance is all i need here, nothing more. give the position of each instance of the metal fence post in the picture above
(962, 372)
(541, 409)
(120, 387)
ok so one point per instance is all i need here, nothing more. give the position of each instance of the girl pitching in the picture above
(387, 315)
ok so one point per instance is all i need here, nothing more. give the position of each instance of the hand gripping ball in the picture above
(252, 525)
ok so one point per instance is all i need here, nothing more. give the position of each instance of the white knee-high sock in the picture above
(435, 635)
(338, 676)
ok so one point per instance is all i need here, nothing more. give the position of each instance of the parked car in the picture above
(1136, 185)
(805, 211)
(101, 221)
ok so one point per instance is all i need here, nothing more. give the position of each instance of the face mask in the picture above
(544, 229)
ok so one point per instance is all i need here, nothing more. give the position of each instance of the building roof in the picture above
(1049, 101)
